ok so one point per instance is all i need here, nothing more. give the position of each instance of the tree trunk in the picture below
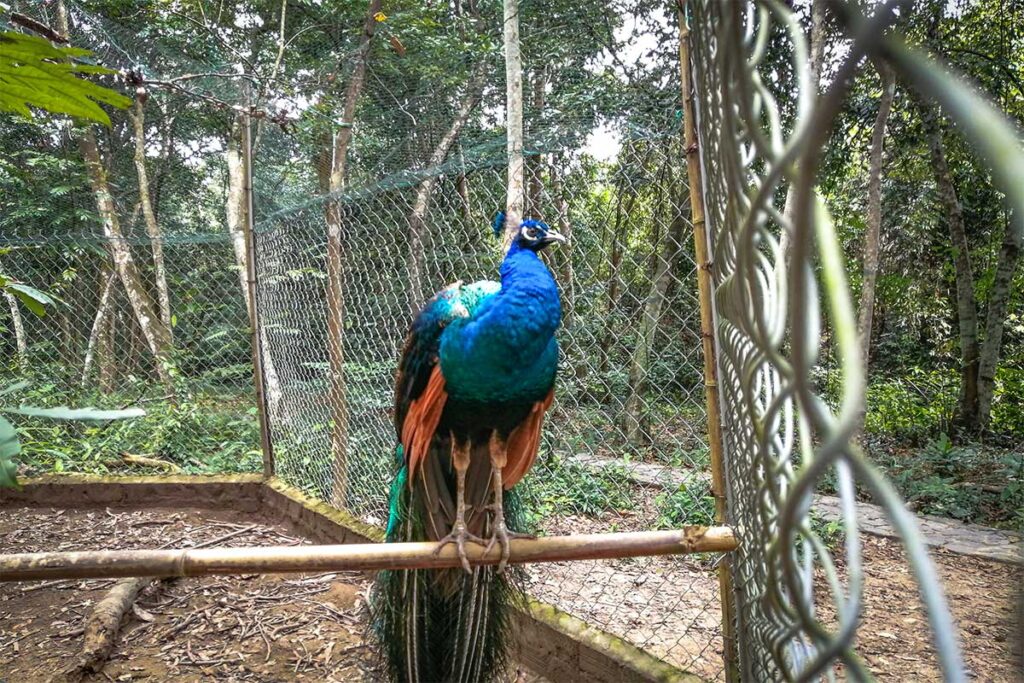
(998, 301)
(966, 304)
(871, 237)
(18, 324)
(535, 162)
(100, 322)
(566, 274)
(639, 365)
(157, 334)
(515, 195)
(106, 360)
(138, 119)
(417, 222)
(462, 187)
(332, 180)
(817, 57)
(236, 210)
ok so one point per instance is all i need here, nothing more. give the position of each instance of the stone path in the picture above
(966, 539)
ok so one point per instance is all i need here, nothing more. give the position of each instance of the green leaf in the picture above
(34, 299)
(77, 413)
(35, 74)
(9, 447)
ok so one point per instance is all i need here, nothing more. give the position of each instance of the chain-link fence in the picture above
(362, 212)
(782, 437)
(625, 446)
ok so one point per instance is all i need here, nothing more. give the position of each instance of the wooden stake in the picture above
(97, 564)
(705, 287)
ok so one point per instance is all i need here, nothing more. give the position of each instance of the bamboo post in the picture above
(707, 328)
(248, 222)
(97, 564)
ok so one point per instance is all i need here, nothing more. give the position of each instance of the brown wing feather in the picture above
(524, 442)
(422, 419)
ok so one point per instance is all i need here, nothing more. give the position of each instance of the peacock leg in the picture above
(500, 533)
(460, 533)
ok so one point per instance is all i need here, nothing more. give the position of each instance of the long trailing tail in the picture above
(443, 624)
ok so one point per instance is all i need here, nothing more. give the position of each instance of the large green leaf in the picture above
(77, 413)
(34, 299)
(9, 447)
(34, 73)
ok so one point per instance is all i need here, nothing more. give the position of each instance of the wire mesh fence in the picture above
(782, 436)
(625, 447)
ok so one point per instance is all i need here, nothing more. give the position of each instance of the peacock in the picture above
(474, 381)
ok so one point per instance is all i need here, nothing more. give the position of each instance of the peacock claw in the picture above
(503, 537)
(459, 536)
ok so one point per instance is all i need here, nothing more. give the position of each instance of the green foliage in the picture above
(689, 504)
(830, 531)
(35, 74)
(560, 485)
(9, 440)
(33, 299)
(204, 433)
(972, 483)
(9, 448)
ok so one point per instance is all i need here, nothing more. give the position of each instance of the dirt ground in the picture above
(248, 628)
(312, 627)
(983, 596)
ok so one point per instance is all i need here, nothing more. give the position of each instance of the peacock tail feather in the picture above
(446, 624)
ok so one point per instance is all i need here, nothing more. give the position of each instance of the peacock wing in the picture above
(419, 386)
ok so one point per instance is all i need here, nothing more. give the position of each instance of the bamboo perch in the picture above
(101, 564)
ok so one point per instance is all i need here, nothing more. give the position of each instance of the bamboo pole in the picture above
(101, 564)
(707, 328)
(248, 223)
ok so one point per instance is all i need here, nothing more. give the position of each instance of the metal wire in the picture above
(782, 437)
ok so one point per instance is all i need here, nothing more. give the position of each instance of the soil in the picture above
(312, 627)
(248, 628)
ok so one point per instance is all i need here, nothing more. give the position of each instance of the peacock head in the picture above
(533, 235)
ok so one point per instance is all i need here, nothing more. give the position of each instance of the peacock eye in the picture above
(532, 233)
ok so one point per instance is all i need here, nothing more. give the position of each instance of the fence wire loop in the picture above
(782, 437)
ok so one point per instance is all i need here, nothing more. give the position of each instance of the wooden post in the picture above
(705, 286)
(364, 557)
(248, 222)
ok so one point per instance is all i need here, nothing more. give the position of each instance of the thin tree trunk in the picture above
(462, 187)
(106, 360)
(236, 210)
(966, 304)
(138, 119)
(332, 180)
(566, 275)
(622, 214)
(515, 195)
(535, 162)
(417, 217)
(998, 301)
(639, 365)
(157, 334)
(871, 237)
(99, 323)
(21, 341)
(817, 57)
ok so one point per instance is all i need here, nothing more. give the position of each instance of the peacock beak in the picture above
(553, 236)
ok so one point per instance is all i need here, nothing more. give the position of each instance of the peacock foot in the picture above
(503, 537)
(460, 535)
